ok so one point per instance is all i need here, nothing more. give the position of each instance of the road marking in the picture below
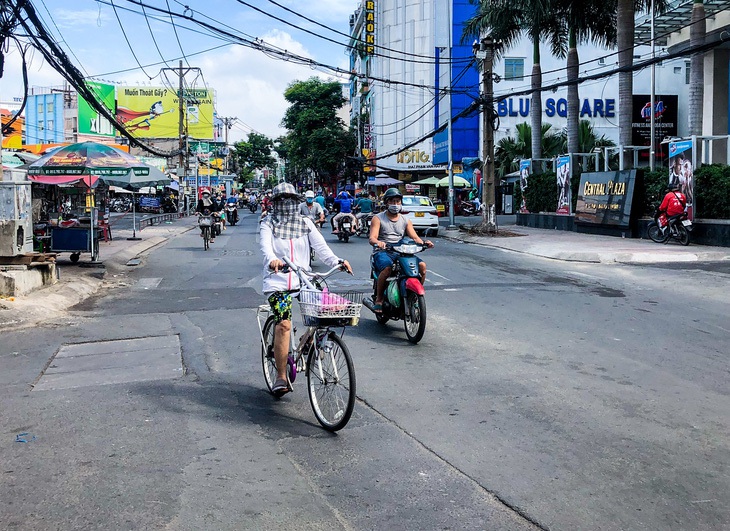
(148, 283)
(440, 276)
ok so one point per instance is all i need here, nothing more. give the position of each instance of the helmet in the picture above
(390, 193)
(308, 194)
(205, 191)
(282, 190)
(343, 195)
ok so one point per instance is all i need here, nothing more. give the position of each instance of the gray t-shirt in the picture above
(314, 213)
(391, 231)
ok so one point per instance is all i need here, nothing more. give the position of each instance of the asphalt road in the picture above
(544, 395)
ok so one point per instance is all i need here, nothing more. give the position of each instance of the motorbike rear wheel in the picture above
(682, 234)
(655, 233)
(415, 325)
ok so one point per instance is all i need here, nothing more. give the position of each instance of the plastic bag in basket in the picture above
(332, 302)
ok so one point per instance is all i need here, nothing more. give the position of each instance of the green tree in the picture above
(586, 21)
(507, 21)
(510, 150)
(317, 139)
(253, 154)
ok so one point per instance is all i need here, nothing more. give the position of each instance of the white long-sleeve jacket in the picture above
(296, 250)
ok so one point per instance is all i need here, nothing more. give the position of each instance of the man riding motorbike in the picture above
(232, 210)
(390, 227)
(313, 210)
(345, 203)
(673, 205)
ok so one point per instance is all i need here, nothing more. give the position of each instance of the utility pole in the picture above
(485, 51)
(227, 124)
(182, 157)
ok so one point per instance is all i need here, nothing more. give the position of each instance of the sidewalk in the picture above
(578, 247)
(77, 283)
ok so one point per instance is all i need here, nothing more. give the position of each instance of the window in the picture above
(514, 69)
(49, 108)
(601, 60)
(677, 69)
(686, 72)
(40, 108)
(49, 126)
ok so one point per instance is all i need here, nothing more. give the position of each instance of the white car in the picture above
(422, 213)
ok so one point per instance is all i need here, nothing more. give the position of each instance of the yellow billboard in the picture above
(154, 112)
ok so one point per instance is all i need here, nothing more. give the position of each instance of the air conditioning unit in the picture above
(16, 225)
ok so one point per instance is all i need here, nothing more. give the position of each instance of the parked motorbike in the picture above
(405, 297)
(231, 213)
(363, 227)
(467, 208)
(344, 229)
(663, 228)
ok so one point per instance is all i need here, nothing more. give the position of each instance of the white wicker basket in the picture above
(327, 308)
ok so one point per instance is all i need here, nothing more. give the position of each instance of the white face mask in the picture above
(395, 209)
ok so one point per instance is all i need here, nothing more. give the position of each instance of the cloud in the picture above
(71, 19)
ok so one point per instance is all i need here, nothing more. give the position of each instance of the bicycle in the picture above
(205, 223)
(320, 353)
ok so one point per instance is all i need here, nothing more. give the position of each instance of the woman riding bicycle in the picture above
(285, 232)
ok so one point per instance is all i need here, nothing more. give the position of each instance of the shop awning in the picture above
(383, 181)
(89, 180)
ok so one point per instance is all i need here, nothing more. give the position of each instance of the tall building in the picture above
(410, 71)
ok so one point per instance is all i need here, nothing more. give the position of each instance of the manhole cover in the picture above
(113, 362)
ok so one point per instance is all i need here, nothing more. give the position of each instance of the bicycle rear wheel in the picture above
(331, 382)
(268, 362)
(206, 237)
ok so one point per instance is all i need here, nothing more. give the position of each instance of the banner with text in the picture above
(563, 181)
(525, 165)
(681, 172)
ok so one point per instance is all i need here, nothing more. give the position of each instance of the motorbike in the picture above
(344, 229)
(663, 228)
(405, 297)
(363, 227)
(253, 205)
(467, 208)
(217, 228)
(231, 213)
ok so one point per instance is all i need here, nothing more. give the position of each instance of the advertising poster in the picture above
(153, 112)
(563, 181)
(13, 138)
(524, 177)
(665, 122)
(681, 172)
(90, 121)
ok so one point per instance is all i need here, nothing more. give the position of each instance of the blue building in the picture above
(44, 118)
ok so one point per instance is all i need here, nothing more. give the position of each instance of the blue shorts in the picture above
(382, 259)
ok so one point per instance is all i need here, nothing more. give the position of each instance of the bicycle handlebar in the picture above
(305, 275)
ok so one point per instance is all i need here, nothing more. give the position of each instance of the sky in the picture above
(249, 84)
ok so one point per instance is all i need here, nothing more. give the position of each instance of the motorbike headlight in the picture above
(407, 248)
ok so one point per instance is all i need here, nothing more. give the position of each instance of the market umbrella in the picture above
(429, 180)
(459, 182)
(70, 163)
(87, 162)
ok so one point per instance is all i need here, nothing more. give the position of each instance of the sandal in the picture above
(377, 308)
(281, 387)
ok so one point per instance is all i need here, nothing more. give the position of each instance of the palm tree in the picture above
(587, 21)
(696, 68)
(506, 21)
(510, 150)
(625, 40)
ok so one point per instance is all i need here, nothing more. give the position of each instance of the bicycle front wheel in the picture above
(331, 382)
(268, 361)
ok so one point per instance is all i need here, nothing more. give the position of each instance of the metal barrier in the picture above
(159, 218)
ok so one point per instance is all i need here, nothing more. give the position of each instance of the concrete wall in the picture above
(21, 281)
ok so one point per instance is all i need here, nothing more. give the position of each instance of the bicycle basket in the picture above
(327, 308)
(205, 221)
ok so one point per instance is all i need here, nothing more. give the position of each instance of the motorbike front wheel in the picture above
(655, 233)
(682, 234)
(415, 324)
